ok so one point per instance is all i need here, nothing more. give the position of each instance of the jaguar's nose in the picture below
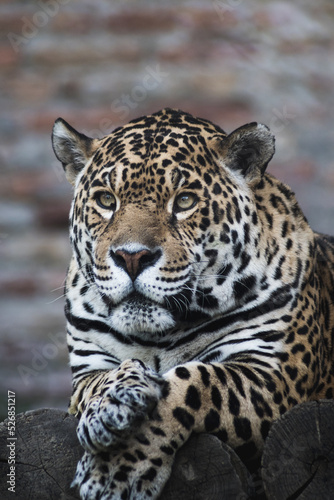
(135, 262)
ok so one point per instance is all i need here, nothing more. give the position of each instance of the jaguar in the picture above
(198, 298)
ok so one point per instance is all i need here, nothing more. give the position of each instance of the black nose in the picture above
(135, 262)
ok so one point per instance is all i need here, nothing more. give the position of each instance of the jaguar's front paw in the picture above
(130, 475)
(103, 424)
(137, 386)
(124, 401)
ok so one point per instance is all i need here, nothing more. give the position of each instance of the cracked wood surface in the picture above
(47, 451)
(297, 463)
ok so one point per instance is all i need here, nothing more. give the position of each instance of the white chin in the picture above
(129, 318)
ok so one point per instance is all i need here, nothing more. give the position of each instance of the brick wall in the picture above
(99, 64)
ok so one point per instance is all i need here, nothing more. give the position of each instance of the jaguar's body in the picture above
(198, 299)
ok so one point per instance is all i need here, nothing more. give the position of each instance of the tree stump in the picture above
(47, 451)
(207, 469)
(298, 459)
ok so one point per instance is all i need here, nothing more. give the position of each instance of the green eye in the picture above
(106, 200)
(185, 201)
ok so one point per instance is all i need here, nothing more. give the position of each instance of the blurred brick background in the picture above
(99, 64)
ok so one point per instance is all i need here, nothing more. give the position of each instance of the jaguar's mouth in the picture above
(138, 314)
(138, 300)
(134, 299)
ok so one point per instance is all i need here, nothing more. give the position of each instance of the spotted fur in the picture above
(198, 299)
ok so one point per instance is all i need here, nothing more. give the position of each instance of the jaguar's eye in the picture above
(106, 200)
(185, 201)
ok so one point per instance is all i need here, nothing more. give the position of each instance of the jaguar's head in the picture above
(162, 222)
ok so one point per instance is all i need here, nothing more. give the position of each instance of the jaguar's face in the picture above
(149, 240)
(158, 226)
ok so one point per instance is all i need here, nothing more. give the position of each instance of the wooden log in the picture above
(298, 459)
(207, 469)
(47, 451)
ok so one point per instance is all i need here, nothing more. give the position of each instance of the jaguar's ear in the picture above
(71, 148)
(248, 150)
